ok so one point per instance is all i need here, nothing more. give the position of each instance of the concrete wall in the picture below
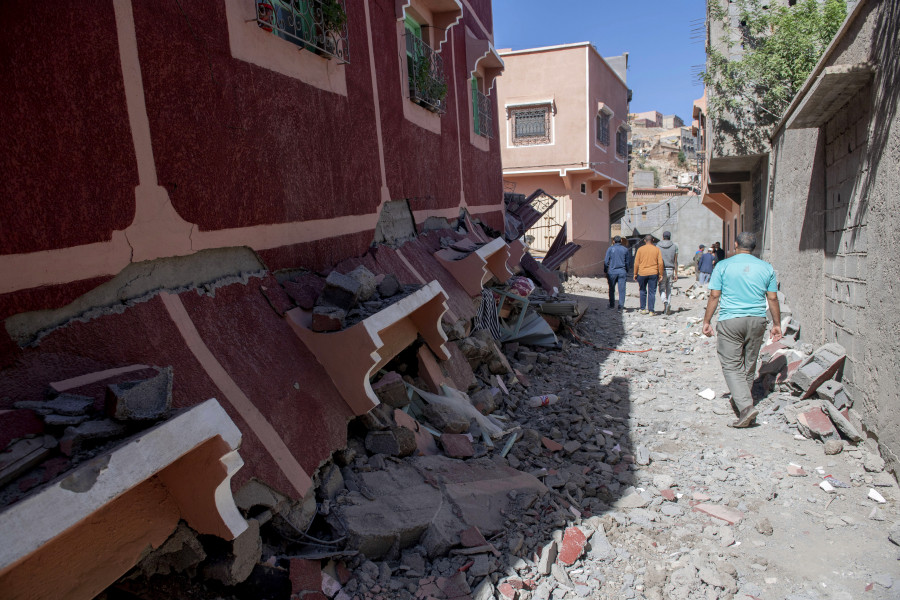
(834, 199)
(690, 223)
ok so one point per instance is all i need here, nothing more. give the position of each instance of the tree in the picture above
(752, 80)
(682, 161)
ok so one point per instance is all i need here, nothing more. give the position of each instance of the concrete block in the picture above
(331, 482)
(456, 445)
(391, 390)
(367, 283)
(182, 551)
(824, 364)
(340, 291)
(842, 423)
(396, 441)
(69, 405)
(833, 392)
(146, 400)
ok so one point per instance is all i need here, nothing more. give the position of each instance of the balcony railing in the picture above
(484, 121)
(317, 25)
(427, 86)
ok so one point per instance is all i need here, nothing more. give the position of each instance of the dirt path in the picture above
(790, 539)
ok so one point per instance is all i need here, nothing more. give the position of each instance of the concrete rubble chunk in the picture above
(304, 289)
(69, 405)
(74, 438)
(572, 546)
(340, 291)
(824, 364)
(246, 550)
(872, 463)
(367, 283)
(21, 456)
(391, 390)
(833, 392)
(842, 423)
(815, 424)
(457, 445)
(328, 318)
(549, 554)
(63, 421)
(147, 400)
(446, 418)
(388, 286)
(181, 552)
(725, 513)
(396, 441)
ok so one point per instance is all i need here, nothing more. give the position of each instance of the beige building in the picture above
(563, 129)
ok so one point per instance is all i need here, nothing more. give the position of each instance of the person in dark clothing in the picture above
(720, 251)
(705, 266)
(617, 264)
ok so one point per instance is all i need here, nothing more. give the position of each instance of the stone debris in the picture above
(146, 400)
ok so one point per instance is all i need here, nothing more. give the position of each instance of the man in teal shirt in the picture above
(746, 285)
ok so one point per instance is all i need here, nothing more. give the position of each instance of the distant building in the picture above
(690, 223)
(672, 121)
(564, 130)
(653, 118)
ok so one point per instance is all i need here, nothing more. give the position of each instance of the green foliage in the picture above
(333, 15)
(752, 80)
(682, 161)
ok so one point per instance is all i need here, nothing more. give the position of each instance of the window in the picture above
(603, 128)
(425, 67)
(600, 195)
(319, 26)
(531, 125)
(482, 115)
(584, 188)
(621, 143)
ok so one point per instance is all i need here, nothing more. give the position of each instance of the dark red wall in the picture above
(67, 166)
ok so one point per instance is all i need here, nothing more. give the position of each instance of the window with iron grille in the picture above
(319, 26)
(425, 68)
(603, 128)
(531, 125)
(621, 143)
(482, 114)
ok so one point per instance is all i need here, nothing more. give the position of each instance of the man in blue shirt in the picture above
(616, 266)
(745, 285)
(705, 266)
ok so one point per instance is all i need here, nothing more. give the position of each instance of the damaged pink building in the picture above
(169, 170)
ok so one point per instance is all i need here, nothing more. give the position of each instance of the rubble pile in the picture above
(69, 427)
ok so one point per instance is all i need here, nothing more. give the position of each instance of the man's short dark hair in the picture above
(702, 246)
(746, 240)
(617, 239)
(648, 238)
(667, 235)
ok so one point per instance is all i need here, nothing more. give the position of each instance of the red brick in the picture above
(343, 573)
(457, 445)
(551, 445)
(306, 575)
(725, 513)
(507, 591)
(572, 546)
(668, 495)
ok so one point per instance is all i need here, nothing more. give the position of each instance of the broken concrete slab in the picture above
(246, 551)
(446, 418)
(23, 455)
(842, 423)
(725, 513)
(833, 392)
(69, 405)
(181, 552)
(824, 364)
(396, 441)
(815, 424)
(328, 318)
(74, 438)
(146, 400)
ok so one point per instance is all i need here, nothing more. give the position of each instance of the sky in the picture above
(657, 34)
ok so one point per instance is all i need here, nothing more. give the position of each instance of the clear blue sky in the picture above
(655, 33)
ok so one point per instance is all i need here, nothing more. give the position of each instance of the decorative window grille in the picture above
(319, 26)
(531, 126)
(484, 118)
(603, 128)
(427, 86)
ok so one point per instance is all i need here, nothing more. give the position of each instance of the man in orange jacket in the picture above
(648, 271)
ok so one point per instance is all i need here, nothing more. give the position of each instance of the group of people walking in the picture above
(654, 265)
(741, 288)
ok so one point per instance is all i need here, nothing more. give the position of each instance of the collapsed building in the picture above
(221, 226)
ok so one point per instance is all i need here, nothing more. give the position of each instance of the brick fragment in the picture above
(340, 291)
(551, 445)
(725, 513)
(328, 318)
(391, 390)
(815, 424)
(572, 546)
(457, 445)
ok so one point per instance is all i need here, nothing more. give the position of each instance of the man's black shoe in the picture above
(746, 418)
